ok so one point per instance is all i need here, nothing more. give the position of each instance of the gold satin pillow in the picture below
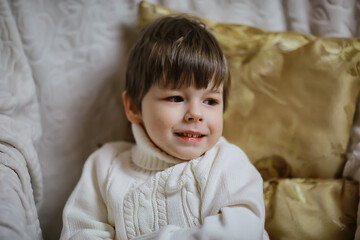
(292, 99)
(318, 209)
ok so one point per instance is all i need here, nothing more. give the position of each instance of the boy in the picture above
(181, 180)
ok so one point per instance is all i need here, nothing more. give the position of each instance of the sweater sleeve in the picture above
(230, 224)
(85, 215)
(232, 200)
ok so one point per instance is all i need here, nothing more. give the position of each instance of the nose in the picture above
(194, 113)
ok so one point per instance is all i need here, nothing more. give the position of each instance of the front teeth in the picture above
(189, 135)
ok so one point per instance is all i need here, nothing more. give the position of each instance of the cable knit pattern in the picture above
(161, 203)
(128, 215)
(144, 207)
(180, 199)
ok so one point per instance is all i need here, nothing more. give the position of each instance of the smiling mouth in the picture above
(190, 135)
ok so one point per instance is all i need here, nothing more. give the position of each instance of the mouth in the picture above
(190, 136)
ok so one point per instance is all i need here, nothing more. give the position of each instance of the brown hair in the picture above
(175, 51)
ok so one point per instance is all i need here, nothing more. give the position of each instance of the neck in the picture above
(147, 155)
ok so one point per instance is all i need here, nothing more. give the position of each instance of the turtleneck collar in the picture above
(148, 156)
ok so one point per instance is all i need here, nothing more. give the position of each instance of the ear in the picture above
(130, 111)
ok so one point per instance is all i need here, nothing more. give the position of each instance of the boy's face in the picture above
(184, 122)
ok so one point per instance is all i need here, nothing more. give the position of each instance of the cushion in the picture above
(293, 96)
(298, 209)
(291, 108)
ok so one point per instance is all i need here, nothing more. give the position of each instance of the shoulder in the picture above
(95, 171)
(229, 162)
(103, 157)
(228, 156)
(228, 178)
(225, 147)
(113, 148)
(232, 159)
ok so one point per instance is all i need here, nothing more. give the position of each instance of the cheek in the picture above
(159, 119)
(217, 123)
(219, 126)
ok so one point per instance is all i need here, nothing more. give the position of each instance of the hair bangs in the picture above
(191, 62)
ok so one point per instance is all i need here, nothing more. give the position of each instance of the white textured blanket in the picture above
(61, 71)
(20, 175)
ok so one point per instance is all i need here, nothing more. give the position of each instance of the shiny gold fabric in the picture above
(292, 98)
(295, 100)
(319, 209)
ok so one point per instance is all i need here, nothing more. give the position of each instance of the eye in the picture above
(175, 99)
(211, 102)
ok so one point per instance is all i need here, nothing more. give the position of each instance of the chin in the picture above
(189, 157)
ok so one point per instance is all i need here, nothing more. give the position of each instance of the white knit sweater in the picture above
(135, 191)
